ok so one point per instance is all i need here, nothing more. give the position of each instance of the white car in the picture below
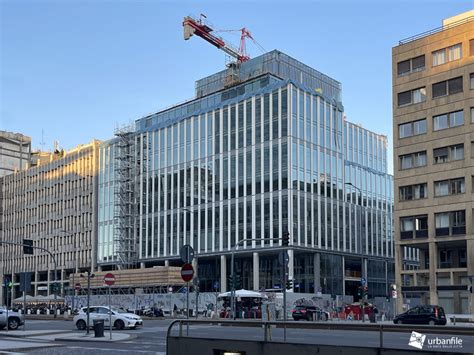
(120, 318)
(15, 319)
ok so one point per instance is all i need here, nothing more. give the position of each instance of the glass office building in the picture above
(263, 149)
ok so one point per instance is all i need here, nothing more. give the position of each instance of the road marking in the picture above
(111, 349)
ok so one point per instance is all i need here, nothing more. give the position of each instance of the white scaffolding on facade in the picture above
(124, 198)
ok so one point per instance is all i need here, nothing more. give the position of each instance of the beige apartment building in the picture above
(433, 125)
(53, 203)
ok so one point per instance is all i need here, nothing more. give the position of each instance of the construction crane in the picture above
(200, 28)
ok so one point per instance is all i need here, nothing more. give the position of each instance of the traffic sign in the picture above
(187, 272)
(216, 285)
(187, 253)
(109, 279)
(363, 281)
(77, 287)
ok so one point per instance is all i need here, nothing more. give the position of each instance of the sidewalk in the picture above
(21, 345)
(90, 337)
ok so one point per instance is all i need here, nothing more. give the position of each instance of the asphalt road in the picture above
(151, 339)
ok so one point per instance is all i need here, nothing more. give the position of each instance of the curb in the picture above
(6, 335)
(131, 336)
(16, 350)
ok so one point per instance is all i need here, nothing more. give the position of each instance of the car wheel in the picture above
(80, 324)
(432, 322)
(119, 324)
(13, 323)
(399, 321)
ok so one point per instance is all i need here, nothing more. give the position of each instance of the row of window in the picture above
(439, 57)
(439, 89)
(441, 188)
(446, 224)
(440, 156)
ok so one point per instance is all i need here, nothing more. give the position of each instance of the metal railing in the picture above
(266, 327)
(435, 30)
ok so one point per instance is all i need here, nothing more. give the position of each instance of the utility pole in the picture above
(89, 276)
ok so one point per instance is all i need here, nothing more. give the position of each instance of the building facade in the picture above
(262, 149)
(54, 204)
(433, 100)
(15, 152)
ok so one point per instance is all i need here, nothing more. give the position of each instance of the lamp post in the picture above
(360, 245)
(89, 276)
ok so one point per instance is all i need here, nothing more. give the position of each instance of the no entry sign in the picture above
(187, 272)
(109, 279)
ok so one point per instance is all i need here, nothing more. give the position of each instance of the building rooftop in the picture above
(447, 23)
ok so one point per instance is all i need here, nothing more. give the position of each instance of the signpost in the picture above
(187, 273)
(187, 253)
(109, 280)
(25, 286)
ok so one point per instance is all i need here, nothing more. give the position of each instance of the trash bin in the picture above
(98, 328)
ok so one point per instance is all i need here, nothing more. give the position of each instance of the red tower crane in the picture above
(202, 29)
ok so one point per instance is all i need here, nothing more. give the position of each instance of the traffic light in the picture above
(365, 290)
(286, 239)
(234, 283)
(289, 284)
(10, 285)
(359, 291)
(28, 246)
(55, 287)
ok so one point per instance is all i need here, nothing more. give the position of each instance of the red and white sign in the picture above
(187, 272)
(77, 287)
(109, 279)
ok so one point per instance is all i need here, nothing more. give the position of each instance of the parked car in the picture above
(120, 318)
(432, 315)
(309, 313)
(15, 319)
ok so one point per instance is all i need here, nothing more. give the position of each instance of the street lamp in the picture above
(89, 276)
(360, 243)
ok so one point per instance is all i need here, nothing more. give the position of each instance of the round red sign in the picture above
(109, 279)
(187, 272)
(78, 287)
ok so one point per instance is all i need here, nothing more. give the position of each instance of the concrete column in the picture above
(167, 263)
(433, 265)
(1, 288)
(291, 268)
(35, 291)
(142, 265)
(317, 271)
(470, 271)
(223, 273)
(49, 281)
(398, 277)
(195, 267)
(256, 272)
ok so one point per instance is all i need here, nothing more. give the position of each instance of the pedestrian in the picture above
(175, 310)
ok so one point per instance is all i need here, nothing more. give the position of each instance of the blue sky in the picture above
(74, 70)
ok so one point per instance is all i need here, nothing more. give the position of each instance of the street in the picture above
(151, 339)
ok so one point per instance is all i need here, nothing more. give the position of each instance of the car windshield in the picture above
(118, 310)
(300, 307)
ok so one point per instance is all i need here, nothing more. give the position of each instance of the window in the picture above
(448, 120)
(447, 87)
(450, 223)
(412, 128)
(472, 114)
(447, 154)
(411, 65)
(412, 160)
(449, 187)
(412, 97)
(471, 47)
(471, 82)
(417, 225)
(448, 54)
(445, 259)
(413, 192)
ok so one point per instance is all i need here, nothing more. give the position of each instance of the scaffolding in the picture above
(124, 198)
